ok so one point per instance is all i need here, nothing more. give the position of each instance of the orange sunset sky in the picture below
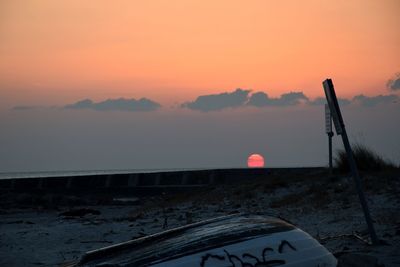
(57, 52)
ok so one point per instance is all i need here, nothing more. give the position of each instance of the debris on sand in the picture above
(80, 212)
(358, 260)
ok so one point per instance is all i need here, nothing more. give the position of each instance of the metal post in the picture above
(329, 132)
(330, 152)
(360, 191)
(341, 130)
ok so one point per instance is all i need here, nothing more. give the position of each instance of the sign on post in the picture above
(328, 120)
(328, 130)
(340, 130)
(333, 106)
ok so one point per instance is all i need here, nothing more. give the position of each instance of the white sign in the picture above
(333, 106)
(328, 119)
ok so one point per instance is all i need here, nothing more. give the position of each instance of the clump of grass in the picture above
(366, 160)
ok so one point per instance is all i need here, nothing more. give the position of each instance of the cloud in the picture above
(120, 104)
(394, 84)
(318, 101)
(86, 103)
(219, 101)
(322, 101)
(370, 101)
(216, 102)
(241, 98)
(261, 99)
(366, 101)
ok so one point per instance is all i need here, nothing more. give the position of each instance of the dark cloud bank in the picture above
(241, 98)
(120, 104)
(261, 99)
(368, 101)
(221, 101)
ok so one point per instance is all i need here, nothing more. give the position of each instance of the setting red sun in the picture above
(255, 161)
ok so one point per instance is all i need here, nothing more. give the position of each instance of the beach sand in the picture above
(327, 208)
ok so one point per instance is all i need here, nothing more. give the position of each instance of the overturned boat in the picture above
(234, 240)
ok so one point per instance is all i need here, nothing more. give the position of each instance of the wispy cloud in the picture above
(120, 104)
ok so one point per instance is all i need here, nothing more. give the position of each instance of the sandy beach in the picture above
(326, 208)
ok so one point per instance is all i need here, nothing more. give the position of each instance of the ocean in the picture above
(39, 174)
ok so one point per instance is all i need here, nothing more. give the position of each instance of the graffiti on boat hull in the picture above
(247, 259)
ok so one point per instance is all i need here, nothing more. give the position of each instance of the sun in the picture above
(255, 161)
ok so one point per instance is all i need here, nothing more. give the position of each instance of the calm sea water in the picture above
(7, 175)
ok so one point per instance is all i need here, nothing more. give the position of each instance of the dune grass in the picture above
(366, 160)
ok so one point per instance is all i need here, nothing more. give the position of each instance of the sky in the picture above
(175, 84)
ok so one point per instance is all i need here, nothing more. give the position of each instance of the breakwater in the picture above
(144, 183)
